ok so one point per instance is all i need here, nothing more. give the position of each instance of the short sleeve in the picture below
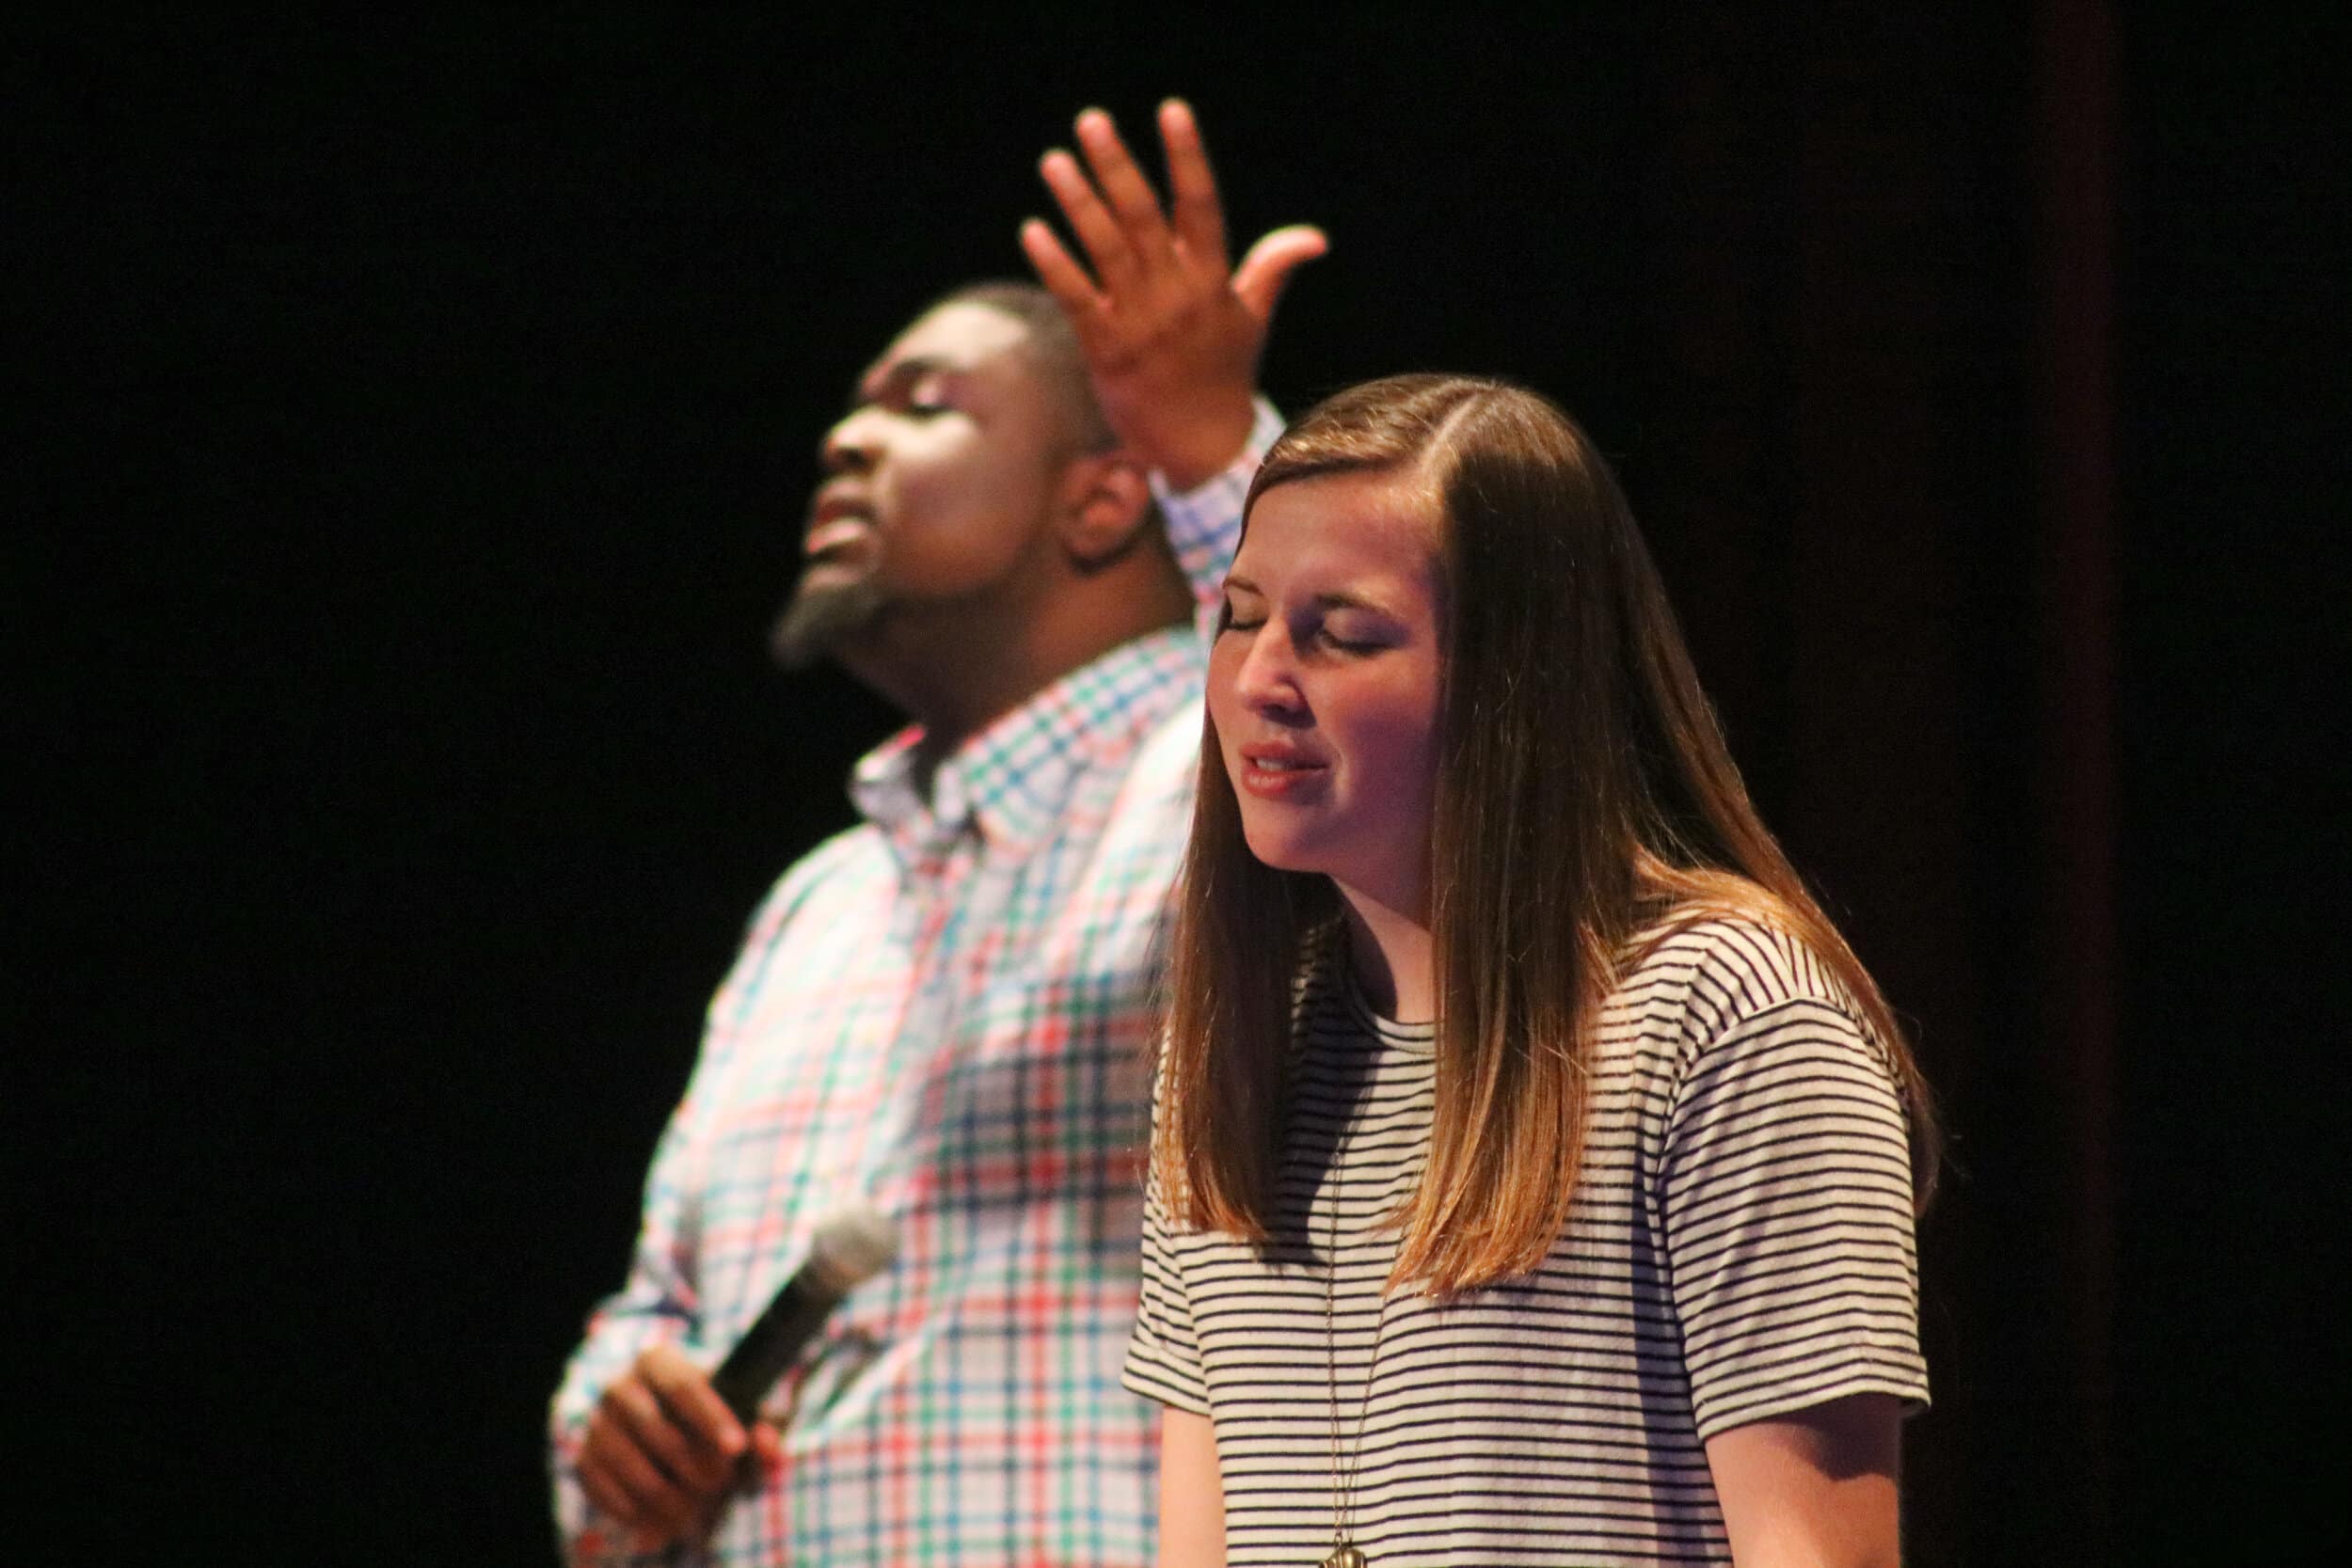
(1784, 1185)
(1163, 1355)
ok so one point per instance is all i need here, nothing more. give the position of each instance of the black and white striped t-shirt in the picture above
(1741, 1248)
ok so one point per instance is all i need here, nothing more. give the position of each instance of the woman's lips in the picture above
(1280, 775)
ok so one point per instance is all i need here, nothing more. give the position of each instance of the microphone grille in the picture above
(853, 1245)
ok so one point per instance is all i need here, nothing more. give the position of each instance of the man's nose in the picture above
(850, 446)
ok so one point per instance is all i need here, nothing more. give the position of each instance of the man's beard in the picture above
(818, 621)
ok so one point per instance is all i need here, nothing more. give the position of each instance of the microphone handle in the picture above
(767, 1348)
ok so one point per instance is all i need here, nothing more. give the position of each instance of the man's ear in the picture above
(1104, 499)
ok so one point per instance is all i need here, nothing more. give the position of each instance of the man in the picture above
(947, 1011)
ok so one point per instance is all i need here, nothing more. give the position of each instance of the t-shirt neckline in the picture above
(1420, 1038)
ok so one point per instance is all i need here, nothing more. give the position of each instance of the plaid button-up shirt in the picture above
(945, 1011)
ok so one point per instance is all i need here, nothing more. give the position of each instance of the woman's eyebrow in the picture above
(1335, 599)
(1352, 601)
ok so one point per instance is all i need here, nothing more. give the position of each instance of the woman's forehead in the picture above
(1374, 522)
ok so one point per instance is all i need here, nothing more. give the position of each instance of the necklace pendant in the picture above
(1343, 1555)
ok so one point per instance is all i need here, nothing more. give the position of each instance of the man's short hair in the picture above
(1053, 348)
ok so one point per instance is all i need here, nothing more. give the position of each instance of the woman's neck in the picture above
(1391, 955)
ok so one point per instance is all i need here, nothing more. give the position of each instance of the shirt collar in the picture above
(1013, 777)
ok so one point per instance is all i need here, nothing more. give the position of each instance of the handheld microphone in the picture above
(851, 1248)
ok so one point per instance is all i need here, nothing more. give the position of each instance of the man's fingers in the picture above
(709, 1440)
(1258, 282)
(1063, 277)
(692, 1402)
(1195, 210)
(644, 1498)
(605, 1490)
(631, 1485)
(1105, 243)
(645, 1428)
(1125, 187)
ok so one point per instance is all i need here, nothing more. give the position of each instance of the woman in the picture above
(1533, 1171)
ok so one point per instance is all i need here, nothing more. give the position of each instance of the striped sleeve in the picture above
(1786, 1189)
(1163, 1352)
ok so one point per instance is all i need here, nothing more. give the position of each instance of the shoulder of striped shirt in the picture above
(1751, 969)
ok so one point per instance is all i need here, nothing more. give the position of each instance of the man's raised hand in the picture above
(1173, 332)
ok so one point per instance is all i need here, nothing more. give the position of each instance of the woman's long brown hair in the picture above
(1585, 800)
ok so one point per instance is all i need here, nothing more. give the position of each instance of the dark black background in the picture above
(413, 424)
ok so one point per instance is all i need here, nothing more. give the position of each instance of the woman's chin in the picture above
(1279, 853)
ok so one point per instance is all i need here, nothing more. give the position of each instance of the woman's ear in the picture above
(1106, 499)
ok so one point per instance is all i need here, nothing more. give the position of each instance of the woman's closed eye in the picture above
(1321, 634)
(1353, 629)
(1331, 638)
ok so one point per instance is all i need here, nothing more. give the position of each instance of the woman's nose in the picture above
(1268, 677)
